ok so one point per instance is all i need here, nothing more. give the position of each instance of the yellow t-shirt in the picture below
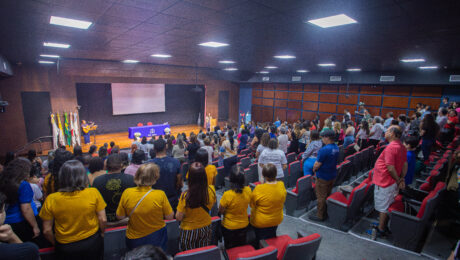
(267, 201)
(74, 214)
(211, 173)
(45, 184)
(148, 216)
(236, 208)
(197, 217)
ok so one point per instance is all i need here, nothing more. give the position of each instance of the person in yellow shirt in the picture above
(193, 210)
(234, 206)
(211, 170)
(267, 201)
(77, 213)
(146, 208)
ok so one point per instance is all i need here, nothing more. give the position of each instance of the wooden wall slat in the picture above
(351, 89)
(374, 111)
(432, 102)
(280, 103)
(310, 106)
(282, 87)
(281, 94)
(267, 114)
(281, 114)
(295, 104)
(371, 100)
(373, 90)
(329, 88)
(427, 92)
(296, 87)
(331, 98)
(268, 102)
(269, 86)
(324, 107)
(308, 115)
(310, 97)
(311, 88)
(258, 101)
(293, 115)
(396, 112)
(395, 102)
(295, 95)
(269, 94)
(340, 109)
(397, 90)
(348, 99)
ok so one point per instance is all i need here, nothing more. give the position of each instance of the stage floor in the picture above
(121, 139)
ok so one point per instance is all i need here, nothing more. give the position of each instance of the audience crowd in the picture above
(68, 199)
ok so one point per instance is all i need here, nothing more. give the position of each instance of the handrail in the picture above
(39, 140)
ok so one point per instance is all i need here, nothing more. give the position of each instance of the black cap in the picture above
(327, 133)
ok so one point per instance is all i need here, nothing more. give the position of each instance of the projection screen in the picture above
(133, 98)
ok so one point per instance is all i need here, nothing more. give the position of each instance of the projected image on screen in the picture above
(133, 98)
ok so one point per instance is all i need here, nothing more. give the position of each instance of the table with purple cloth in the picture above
(148, 130)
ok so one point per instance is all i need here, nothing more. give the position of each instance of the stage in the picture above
(121, 139)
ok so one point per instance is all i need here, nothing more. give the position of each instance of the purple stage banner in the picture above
(148, 130)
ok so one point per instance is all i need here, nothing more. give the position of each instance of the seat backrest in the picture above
(220, 178)
(430, 202)
(266, 253)
(251, 176)
(294, 173)
(115, 242)
(172, 227)
(245, 162)
(184, 169)
(47, 253)
(140, 124)
(290, 157)
(149, 123)
(216, 231)
(305, 247)
(254, 168)
(304, 189)
(208, 252)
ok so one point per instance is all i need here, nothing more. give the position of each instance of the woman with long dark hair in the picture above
(193, 210)
(230, 147)
(363, 134)
(77, 214)
(295, 136)
(192, 148)
(429, 130)
(51, 180)
(21, 211)
(234, 208)
(211, 170)
(178, 150)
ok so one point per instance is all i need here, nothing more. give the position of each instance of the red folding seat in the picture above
(300, 197)
(410, 219)
(291, 157)
(208, 252)
(220, 177)
(304, 247)
(342, 210)
(245, 162)
(251, 176)
(249, 253)
(140, 124)
(172, 228)
(184, 170)
(115, 242)
(294, 173)
(343, 172)
(47, 253)
(149, 123)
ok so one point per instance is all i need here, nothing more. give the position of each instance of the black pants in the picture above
(373, 142)
(88, 248)
(264, 233)
(228, 164)
(23, 230)
(235, 237)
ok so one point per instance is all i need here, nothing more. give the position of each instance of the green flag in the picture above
(66, 129)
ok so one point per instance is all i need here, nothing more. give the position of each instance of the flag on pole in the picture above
(66, 129)
(72, 131)
(61, 132)
(76, 128)
(55, 132)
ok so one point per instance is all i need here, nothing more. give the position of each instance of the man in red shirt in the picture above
(389, 171)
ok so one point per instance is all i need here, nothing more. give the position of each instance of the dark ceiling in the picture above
(255, 29)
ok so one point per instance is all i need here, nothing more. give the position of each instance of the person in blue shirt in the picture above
(427, 111)
(326, 171)
(273, 130)
(277, 123)
(387, 122)
(411, 143)
(22, 211)
(243, 140)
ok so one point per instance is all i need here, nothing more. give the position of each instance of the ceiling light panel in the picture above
(80, 24)
(49, 56)
(130, 61)
(226, 62)
(56, 45)
(213, 44)
(46, 62)
(413, 60)
(302, 71)
(326, 65)
(354, 69)
(230, 69)
(332, 21)
(161, 55)
(271, 67)
(428, 67)
(284, 57)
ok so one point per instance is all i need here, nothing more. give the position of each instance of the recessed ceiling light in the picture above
(413, 60)
(284, 57)
(428, 67)
(230, 69)
(70, 22)
(161, 55)
(302, 71)
(271, 67)
(56, 45)
(130, 61)
(264, 72)
(354, 69)
(213, 44)
(49, 56)
(331, 21)
(226, 61)
(326, 64)
(45, 62)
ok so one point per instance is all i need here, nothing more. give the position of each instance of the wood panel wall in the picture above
(61, 85)
(291, 102)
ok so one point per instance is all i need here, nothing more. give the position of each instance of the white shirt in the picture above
(210, 152)
(377, 129)
(275, 157)
(37, 194)
(283, 142)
